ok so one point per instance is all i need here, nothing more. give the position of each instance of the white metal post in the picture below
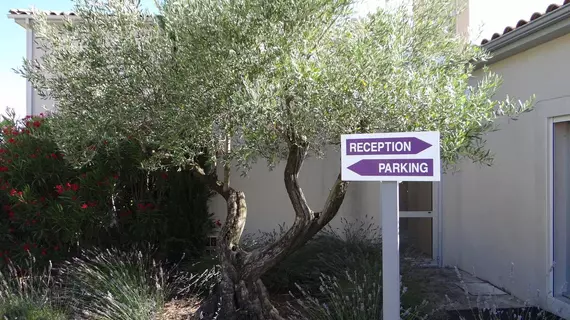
(390, 207)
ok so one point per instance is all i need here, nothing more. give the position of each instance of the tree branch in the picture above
(227, 166)
(211, 180)
(263, 259)
(331, 207)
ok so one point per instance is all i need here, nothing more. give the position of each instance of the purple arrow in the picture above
(378, 146)
(393, 167)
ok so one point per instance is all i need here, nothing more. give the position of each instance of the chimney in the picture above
(462, 20)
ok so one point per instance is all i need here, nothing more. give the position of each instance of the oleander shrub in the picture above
(51, 210)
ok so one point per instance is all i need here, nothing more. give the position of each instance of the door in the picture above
(419, 220)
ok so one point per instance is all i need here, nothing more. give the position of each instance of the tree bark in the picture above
(241, 293)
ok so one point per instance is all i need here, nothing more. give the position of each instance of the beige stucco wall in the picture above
(496, 219)
(269, 205)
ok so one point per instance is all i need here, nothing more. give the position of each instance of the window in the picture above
(561, 207)
(417, 225)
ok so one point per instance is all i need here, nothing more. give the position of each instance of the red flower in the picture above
(11, 214)
(33, 155)
(218, 223)
(26, 247)
(141, 206)
(11, 140)
(28, 117)
(115, 176)
(3, 169)
(59, 189)
(73, 186)
(44, 252)
(92, 204)
(53, 156)
(84, 206)
(37, 124)
(14, 192)
(125, 213)
(3, 150)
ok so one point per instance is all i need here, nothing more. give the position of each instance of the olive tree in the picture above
(207, 84)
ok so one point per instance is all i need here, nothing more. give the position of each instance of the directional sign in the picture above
(399, 156)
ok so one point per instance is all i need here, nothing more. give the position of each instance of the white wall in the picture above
(269, 205)
(39, 105)
(497, 217)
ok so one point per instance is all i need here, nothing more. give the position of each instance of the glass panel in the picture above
(416, 196)
(416, 236)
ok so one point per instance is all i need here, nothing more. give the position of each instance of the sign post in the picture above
(390, 158)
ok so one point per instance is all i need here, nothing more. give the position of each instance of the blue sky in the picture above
(13, 37)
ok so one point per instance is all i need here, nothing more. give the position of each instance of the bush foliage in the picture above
(51, 209)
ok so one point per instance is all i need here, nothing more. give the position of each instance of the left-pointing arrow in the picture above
(393, 167)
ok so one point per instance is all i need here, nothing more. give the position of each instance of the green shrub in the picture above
(340, 268)
(28, 294)
(28, 310)
(118, 285)
(51, 210)
(356, 296)
(355, 247)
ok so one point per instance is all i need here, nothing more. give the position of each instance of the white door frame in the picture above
(434, 214)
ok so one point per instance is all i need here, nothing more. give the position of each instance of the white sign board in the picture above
(395, 156)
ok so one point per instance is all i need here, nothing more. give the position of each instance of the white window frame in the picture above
(558, 303)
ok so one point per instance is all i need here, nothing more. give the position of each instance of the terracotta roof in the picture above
(522, 22)
(24, 12)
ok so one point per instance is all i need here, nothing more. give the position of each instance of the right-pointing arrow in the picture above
(385, 146)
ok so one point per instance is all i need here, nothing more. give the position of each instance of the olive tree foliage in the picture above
(236, 81)
(264, 73)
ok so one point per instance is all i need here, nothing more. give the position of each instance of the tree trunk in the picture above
(241, 294)
(238, 296)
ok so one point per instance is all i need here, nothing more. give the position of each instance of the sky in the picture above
(486, 17)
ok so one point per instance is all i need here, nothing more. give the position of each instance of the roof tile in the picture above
(522, 22)
(30, 12)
